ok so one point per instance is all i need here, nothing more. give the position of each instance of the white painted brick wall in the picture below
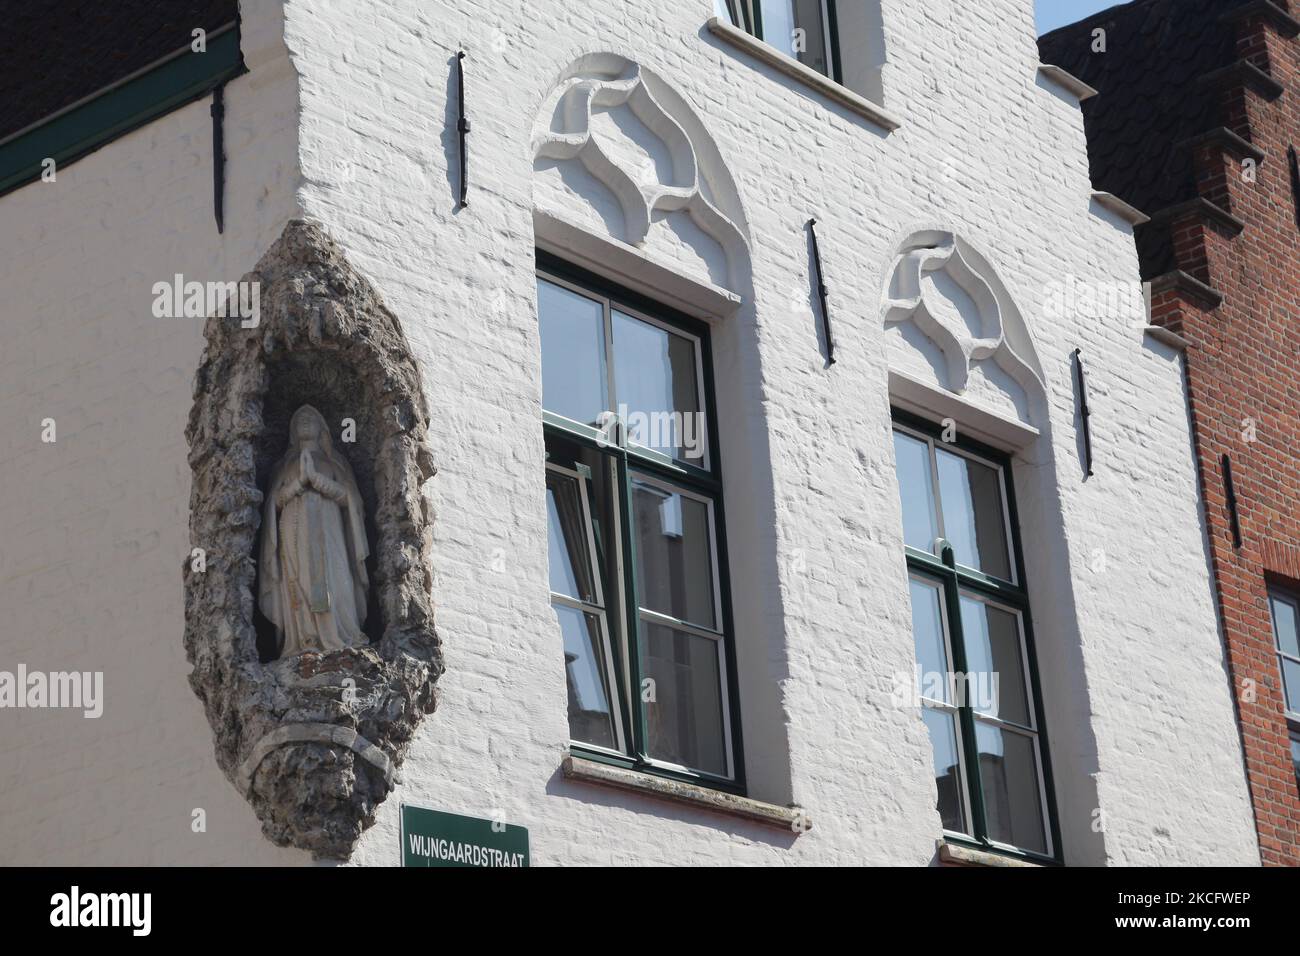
(1139, 714)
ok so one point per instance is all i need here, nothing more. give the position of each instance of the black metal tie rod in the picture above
(1230, 493)
(219, 156)
(821, 293)
(462, 128)
(1085, 412)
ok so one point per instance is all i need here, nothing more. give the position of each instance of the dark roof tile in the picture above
(56, 52)
(1149, 100)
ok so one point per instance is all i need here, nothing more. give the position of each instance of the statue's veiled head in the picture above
(308, 429)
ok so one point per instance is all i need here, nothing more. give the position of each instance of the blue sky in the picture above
(1057, 13)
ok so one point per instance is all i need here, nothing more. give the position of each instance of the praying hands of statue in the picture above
(310, 478)
(303, 482)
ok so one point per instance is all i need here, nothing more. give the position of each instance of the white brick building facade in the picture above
(347, 118)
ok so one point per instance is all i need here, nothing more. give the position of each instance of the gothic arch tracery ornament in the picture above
(659, 163)
(931, 269)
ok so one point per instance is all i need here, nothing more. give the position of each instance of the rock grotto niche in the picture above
(313, 687)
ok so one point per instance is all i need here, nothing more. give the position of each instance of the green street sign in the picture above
(434, 838)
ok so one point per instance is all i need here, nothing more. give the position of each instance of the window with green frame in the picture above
(1284, 610)
(976, 676)
(803, 29)
(1295, 754)
(637, 551)
(844, 42)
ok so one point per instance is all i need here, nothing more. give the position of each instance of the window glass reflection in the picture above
(917, 490)
(1285, 625)
(927, 634)
(591, 720)
(947, 768)
(570, 558)
(1291, 678)
(1009, 775)
(683, 698)
(674, 554)
(973, 520)
(798, 29)
(574, 382)
(657, 389)
(995, 681)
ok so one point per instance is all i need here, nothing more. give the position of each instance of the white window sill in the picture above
(957, 854)
(1067, 81)
(1130, 214)
(806, 75)
(792, 819)
(1167, 337)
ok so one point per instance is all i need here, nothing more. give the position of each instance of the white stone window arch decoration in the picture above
(618, 152)
(971, 334)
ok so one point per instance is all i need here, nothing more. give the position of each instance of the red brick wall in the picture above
(1244, 367)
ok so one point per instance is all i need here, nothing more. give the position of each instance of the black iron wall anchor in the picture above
(219, 156)
(1230, 494)
(462, 129)
(821, 293)
(1085, 412)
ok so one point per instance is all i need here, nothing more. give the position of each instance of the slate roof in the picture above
(56, 52)
(1148, 100)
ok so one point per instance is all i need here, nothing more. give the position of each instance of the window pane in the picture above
(674, 554)
(947, 772)
(1291, 678)
(1295, 757)
(927, 633)
(995, 684)
(972, 514)
(917, 491)
(570, 556)
(573, 353)
(1009, 774)
(781, 20)
(657, 389)
(684, 699)
(586, 670)
(1285, 626)
(778, 24)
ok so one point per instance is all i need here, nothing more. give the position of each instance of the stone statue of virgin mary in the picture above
(313, 558)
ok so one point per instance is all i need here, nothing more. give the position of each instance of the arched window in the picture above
(963, 366)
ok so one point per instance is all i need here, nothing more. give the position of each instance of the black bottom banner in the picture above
(340, 905)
